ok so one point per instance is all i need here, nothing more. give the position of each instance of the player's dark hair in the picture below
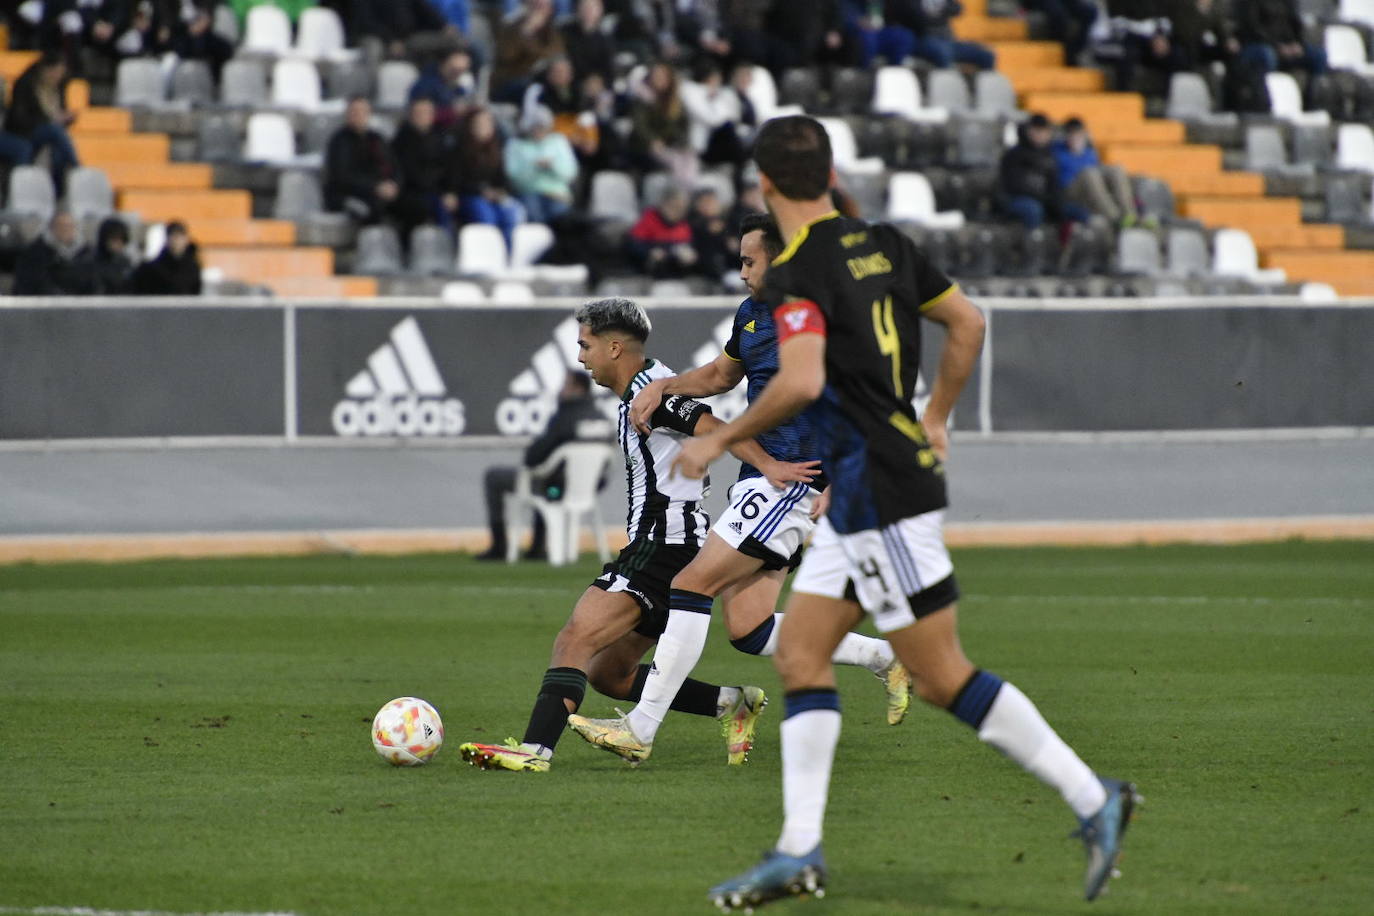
(616, 314)
(762, 222)
(794, 152)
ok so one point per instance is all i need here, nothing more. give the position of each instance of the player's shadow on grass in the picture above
(901, 886)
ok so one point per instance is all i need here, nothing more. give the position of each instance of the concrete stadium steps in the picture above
(97, 149)
(339, 287)
(1090, 106)
(1025, 54)
(160, 206)
(1054, 79)
(1163, 159)
(269, 264)
(1350, 272)
(103, 121)
(242, 232)
(1152, 132)
(1308, 235)
(1242, 212)
(167, 176)
(1214, 184)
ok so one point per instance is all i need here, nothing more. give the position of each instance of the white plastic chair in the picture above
(31, 191)
(320, 35)
(1318, 293)
(1357, 11)
(1355, 148)
(296, 84)
(583, 465)
(529, 241)
(1285, 101)
(481, 250)
(462, 292)
(910, 197)
(845, 149)
(1345, 49)
(267, 30)
(139, 82)
(1234, 255)
(613, 196)
(512, 292)
(270, 138)
(896, 91)
(394, 79)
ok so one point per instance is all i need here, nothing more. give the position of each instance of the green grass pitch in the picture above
(193, 737)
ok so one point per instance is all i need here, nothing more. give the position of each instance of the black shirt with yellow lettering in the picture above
(864, 286)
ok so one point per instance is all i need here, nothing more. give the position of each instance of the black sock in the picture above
(550, 713)
(695, 697)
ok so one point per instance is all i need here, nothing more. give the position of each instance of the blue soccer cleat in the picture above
(777, 876)
(1102, 833)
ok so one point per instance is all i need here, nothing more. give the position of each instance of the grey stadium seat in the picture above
(1264, 149)
(218, 139)
(431, 251)
(379, 251)
(1156, 198)
(1187, 252)
(613, 196)
(299, 195)
(89, 193)
(978, 142)
(851, 91)
(1190, 98)
(948, 89)
(800, 86)
(394, 79)
(193, 83)
(31, 192)
(244, 83)
(139, 83)
(1137, 252)
(994, 95)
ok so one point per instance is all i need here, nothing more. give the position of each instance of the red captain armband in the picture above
(800, 316)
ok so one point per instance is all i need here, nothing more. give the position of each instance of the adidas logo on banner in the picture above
(399, 393)
(534, 392)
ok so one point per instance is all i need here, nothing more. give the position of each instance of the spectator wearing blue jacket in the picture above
(1103, 189)
(449, 84)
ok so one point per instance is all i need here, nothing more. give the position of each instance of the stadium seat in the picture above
(295, 84)
(1190, 99)
(763, 95)
(298, 195)
(911, 198)
(218, 139)
(1285, 101)
(320, 35)
(1137, 252)
(316, 130)
(192, 83)
(896, 91)
(978, 142)
(846, 151)
(1317, 293)
(1361, 11)
(89, 193)
(1187, 252)
(481, 251)
(948, 89)
(431, 251)
(1345, 49)
(31, 191)
(1234, 255)
(1156, 198)
(154, 238)
(670, 289)
(655, 184)
(243, 82)
(851, 90)
(226, 23)
(1345, 198)
(1312, 145)
(267, 30)
(139, 83)
(800, 86)
(994, 95)
(345, 79)
(512, 292)
(613, 196)
(529, 241)
(462, 292)
(379, 251)
(1355, 148)
(1264, 150)
(720, 182)
(394, 79)
(270, 138)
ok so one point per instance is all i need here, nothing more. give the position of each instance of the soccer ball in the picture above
(407, 732)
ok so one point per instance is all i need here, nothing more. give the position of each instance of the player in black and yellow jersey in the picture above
(849, 300)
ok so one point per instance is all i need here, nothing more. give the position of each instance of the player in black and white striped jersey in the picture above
(623, 612)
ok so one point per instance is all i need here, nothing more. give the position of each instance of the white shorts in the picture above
(898, 574)
(767, 522)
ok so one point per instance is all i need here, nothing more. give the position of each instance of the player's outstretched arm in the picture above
(964, 328)
(800, 379)
(778, 473)
(717, 376)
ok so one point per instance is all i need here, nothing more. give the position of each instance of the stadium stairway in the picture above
(257, 252)
(1158, 148)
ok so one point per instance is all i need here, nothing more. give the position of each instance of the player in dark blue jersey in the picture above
(752, 545)
(850, 299)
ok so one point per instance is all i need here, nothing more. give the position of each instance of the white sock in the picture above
(538, 750)
(864, 652)
(678, 650)
(1015, 727)
(808, 752)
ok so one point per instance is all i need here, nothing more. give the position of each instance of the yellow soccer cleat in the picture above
(738, 722)
(897, 682)
(614, 735)
(506, 756)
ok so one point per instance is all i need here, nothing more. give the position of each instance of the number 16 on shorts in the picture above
(776, 519)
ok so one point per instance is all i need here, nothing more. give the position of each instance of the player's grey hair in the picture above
(615, 314)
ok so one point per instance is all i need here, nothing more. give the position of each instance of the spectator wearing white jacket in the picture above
(719, 119)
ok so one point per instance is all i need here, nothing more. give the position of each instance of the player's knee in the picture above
(937, 691)
(799, 664)
(702, 582)
(611, 681)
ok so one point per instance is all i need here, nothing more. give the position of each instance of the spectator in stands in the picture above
(917, 28)
(1071, 20)
(577, 419)
(716, 246)
(112, 267)
(817, 37)
(660, 244)
(523, 42)
(659, 135)
(1201, 31)
(194, 36)
(483, 188)
(38, 114)
(556, 90)
(457, 14)
(1028, 179)
(748, 200)
(424, 158)
(406, 28)
(596, 141)
(132, 28)
(542, 167)
(360, 174)
(1103, 189)
(589, 45)
(14, 149)
(55, 263)
(716, 117)
(174, 272)
(448, 84)
(1271, 38)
